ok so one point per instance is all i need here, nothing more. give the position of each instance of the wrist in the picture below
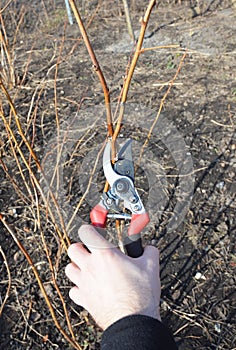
(123, 313)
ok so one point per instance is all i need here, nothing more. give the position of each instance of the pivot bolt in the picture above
(122, 186)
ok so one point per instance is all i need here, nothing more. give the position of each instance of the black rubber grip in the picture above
(134, 246)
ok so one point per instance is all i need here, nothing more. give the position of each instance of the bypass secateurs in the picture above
(120, 177)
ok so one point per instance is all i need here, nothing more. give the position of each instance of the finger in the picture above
(151, 251)
(75, 295)
(93, 240)
(151, 256)
(78, 253)
(73, 273)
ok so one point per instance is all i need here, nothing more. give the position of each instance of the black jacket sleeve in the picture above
(137, 332)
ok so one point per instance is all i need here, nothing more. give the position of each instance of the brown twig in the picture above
(4, 8)
(40, 283)
(22, 195)
(87, 189)
(128, 20)
(64, 237)
(162, 104)
(7, 61)
(33, 177)
(39, 209)
(26, 318)
(78, 40)
(53, 273)
(9, 281)
(173, 46)
(96, 66)
(144, 22)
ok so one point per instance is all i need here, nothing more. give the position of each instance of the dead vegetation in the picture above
(52, 127)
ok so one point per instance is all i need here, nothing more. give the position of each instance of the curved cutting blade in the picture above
(124, 164)
(109, 172)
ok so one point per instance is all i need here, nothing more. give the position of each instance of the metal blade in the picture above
(124, 165)
(110, 174)
(126, 151)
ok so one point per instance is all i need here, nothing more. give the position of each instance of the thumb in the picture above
(151, 257)
(151, 252)
(93, 240)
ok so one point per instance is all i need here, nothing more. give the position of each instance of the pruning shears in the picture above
(120, 177)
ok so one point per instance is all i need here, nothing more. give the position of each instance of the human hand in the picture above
(109, 284)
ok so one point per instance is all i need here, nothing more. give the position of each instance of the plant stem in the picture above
(162, 104)
(96, 66)
(128, 20)
(40, 283)
(144, 22)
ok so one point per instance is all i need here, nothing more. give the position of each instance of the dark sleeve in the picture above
(137, 332)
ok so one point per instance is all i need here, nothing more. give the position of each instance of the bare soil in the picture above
(198, 258)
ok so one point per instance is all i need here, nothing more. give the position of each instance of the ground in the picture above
(186, 176)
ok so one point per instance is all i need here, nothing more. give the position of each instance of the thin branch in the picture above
(26, 319)
(171, 46)
(144, 23)
(4, 8)
(87, 189)
(64, 238)
(40, 283)
(128, 20)
(162, 104)
(95, 65)
(7, 63)
(9, 281)
(53, 272)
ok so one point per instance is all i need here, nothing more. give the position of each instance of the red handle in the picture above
(138, 222)
(98, 216)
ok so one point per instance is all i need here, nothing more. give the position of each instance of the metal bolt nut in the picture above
(109, 201)
(133, 199)
(136, 207)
